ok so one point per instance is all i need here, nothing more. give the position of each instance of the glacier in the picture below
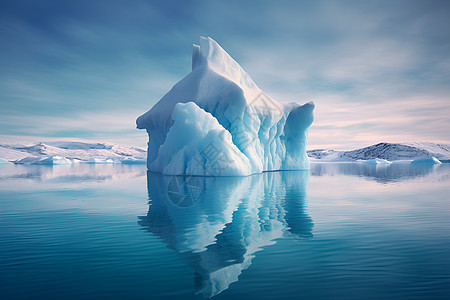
(217, 122)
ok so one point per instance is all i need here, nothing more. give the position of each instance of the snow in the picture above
(430, 160)
(438, 150)
(216, 121)
(9, 154)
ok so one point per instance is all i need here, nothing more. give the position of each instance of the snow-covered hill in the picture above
(73, 151)
(387, 151)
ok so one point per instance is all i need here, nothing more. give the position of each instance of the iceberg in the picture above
(44, 160)
(375, 161)
(94, 161)
(4, 161)
(428, 160)
(133, 161)
(217, 122)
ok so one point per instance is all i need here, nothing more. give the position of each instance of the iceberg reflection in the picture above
(71, 173)
(217, 224)
(395, 172)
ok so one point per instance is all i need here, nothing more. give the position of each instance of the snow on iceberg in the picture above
(429, 160)
(217, 122)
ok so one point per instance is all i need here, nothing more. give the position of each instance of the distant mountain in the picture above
(73, 151)
(387, 151)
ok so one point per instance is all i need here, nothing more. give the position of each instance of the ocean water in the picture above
(338, 231)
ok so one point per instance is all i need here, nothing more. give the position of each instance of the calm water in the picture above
(340, 231)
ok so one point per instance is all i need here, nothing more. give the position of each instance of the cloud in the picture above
(112, 126)
(352, 125)
(376, 69)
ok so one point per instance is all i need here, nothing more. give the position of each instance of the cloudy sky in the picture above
(84, 70)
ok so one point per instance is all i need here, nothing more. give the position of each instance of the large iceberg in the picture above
(217, 122)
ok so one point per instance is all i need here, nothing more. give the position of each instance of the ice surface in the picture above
(430, 160)
(216, 121)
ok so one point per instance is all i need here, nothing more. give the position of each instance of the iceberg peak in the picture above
(209, 54)
(216, 121)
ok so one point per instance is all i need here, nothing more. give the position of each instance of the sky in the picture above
(378, 71)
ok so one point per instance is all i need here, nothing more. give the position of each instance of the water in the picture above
(340, 231)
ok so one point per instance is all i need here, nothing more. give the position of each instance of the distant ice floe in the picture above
(429, 160)
(376, 161)
(4, 161)
(44, 160)
(134, 161)
(100, 161)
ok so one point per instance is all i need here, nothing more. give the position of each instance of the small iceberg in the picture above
(44, 160)
(55, 160)
(4, 161)
(428, 160)
(95, 161)
(376, 161)
(134, 161)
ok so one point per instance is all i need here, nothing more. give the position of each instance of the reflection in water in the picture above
(109, 172)
(217, 224)
(71, 173)
(394, 172)
(63, 227)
